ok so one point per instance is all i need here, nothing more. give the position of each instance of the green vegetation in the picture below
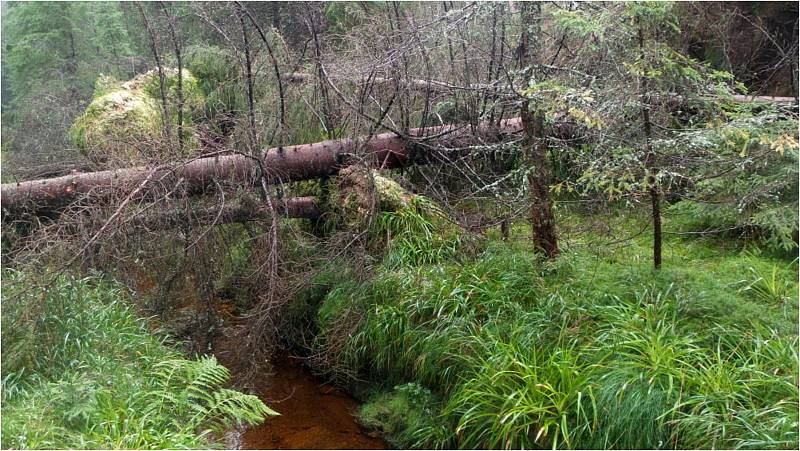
(80, 370)
(124, 121)
(402, 414)
(755, 198)
(594, 350)
(454, 338)
(218, 77)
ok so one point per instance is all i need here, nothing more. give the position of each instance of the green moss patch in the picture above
(124, 120)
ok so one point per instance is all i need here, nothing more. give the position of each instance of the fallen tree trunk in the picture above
(432, 85)
(765, 99)
(282, 164)
(294, 207)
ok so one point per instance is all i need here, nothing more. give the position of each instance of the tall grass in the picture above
(767, 284)
(587, 352)
(531, 398)
(80, 370)
(417, 235)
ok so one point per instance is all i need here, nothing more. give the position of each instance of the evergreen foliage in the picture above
(747, 188)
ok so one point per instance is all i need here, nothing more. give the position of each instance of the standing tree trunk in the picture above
(328, 123)
(161, 77)
(543, 221)
(71, 66)
(655, 190)
(251, 113)
(281, 127)
(276, 17)
(177, 44)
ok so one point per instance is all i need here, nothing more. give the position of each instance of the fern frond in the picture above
(231, 406)
(197, 387)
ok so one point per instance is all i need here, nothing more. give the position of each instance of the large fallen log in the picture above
(282, 164)
(765, 99)
(293, 207)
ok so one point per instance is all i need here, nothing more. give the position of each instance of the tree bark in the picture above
(301, 162)
(295, 207)
(655, 189)
(543, 223)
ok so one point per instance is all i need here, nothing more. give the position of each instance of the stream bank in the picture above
(314, 414)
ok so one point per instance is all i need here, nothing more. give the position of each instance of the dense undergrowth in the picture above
(81, 370)
(595, 350)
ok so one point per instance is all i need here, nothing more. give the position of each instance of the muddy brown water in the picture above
(314, 415)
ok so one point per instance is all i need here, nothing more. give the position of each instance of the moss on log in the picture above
(363, 191)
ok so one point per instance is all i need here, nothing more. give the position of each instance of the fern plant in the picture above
(87, 373)
(199, 385)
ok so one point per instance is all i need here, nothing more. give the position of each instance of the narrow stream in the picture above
(314, 415)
